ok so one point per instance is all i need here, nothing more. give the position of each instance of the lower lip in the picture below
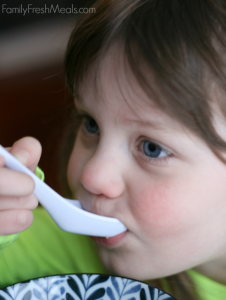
(111, 241)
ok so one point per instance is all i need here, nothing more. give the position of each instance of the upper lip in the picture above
(99, 205)
(96, 206)
(101, 214)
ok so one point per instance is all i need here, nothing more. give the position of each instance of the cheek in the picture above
(161, 209)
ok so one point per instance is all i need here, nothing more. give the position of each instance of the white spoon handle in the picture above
(68, 214)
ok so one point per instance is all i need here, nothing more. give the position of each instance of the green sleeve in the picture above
(6, 240)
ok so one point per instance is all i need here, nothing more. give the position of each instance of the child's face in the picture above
(142, 167)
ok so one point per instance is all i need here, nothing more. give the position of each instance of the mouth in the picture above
(111, 241)
(107, 241)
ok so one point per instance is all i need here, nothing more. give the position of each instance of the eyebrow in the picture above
(81, 107)
(158, 125)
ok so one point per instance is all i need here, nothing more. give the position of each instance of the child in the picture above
(148, 79)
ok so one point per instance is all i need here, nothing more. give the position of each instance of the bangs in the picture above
(169, 48)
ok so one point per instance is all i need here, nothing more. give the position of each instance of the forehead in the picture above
(111, 83)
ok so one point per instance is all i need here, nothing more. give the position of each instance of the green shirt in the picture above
(207, 289)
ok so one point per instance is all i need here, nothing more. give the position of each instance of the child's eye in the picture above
(153, 150)
(91, 126)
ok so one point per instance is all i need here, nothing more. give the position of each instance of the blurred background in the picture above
(33, 93)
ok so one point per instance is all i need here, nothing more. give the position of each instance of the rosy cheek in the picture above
(159, 209)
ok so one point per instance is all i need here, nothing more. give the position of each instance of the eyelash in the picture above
(156, 160)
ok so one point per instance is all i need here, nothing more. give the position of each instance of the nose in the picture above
(103, 174)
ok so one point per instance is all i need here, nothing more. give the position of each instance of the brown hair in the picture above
(177, 43)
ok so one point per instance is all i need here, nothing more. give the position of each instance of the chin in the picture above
(127, 264)
(114, 261)
(120, 263)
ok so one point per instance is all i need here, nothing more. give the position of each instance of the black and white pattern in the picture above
(83, 287)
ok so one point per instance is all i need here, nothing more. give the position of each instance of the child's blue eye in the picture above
(91, 126)
(152, 150)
